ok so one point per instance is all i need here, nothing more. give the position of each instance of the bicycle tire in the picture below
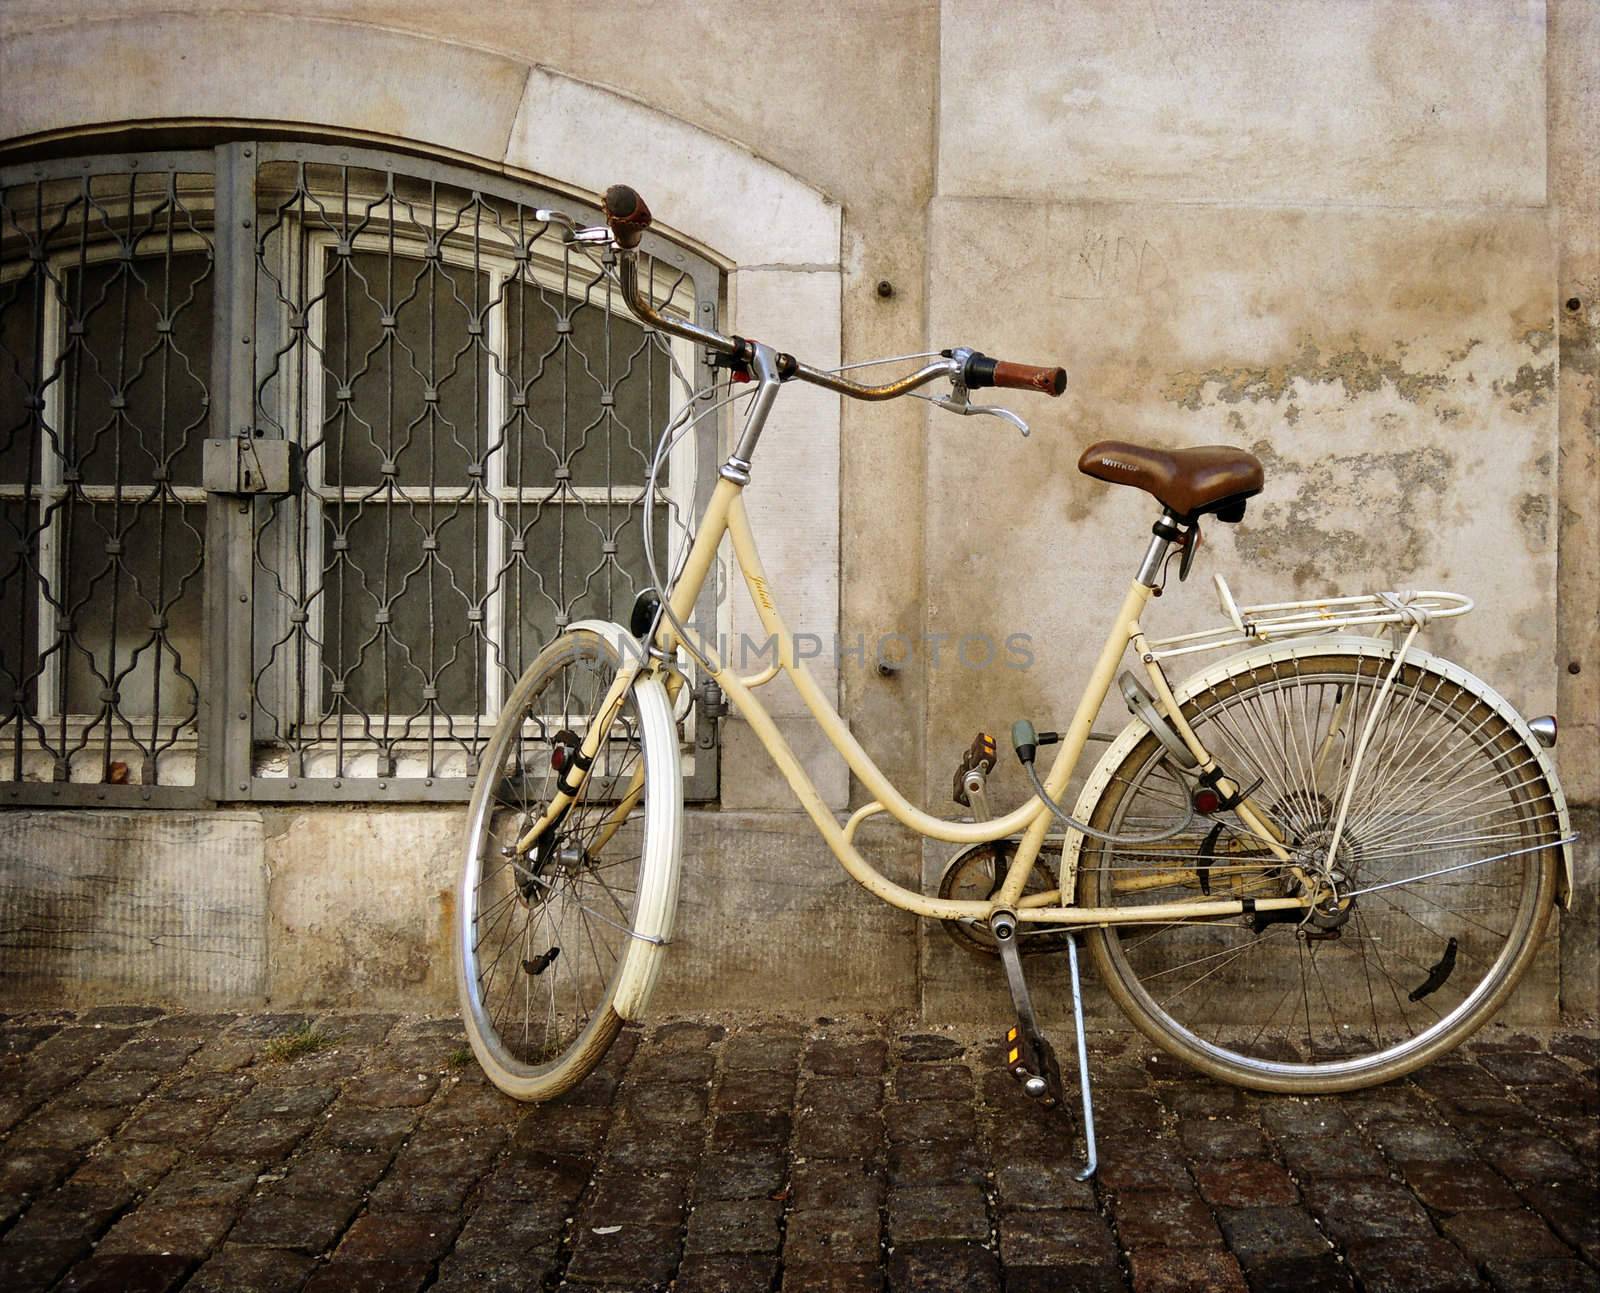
(585, 913)
(1450, 779)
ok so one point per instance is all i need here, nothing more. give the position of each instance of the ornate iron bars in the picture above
(107, 282)
(394, 424)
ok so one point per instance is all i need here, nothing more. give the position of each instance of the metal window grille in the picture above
(305, 451)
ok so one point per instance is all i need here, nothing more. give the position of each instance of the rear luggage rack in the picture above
(1272, 621)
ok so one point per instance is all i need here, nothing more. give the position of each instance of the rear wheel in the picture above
(1446, 872)
(558, 943)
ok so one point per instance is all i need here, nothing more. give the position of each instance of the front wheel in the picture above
(559, 942)
(1446, 870)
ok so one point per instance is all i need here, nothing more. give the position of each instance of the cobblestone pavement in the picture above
(146, 1151)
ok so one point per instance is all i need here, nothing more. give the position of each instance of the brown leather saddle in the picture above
(1214, 478)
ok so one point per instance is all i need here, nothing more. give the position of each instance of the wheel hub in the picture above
(1331, 913)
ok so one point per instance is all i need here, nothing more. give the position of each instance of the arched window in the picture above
(304, 451)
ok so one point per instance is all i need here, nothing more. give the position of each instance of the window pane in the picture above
(410, 396)
(563, 378)
(19, 607)
(399, 584)
(19, 380)
(138, 371)
(578, 561)
(133, 607)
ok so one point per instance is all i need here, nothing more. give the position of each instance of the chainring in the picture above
(975, 875)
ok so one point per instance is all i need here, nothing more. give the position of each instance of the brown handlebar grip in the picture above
(1025, 377)
(626, 213)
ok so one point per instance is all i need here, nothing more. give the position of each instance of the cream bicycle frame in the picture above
(726, 515)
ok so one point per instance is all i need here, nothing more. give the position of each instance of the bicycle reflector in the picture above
(1206, 801)
(562, 750)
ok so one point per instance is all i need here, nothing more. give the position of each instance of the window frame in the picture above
(316, 494)
(225, 743)
(75, 729)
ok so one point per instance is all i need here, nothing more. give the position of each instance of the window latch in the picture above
(244, 464)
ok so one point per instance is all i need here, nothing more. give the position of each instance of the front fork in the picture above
(576, 773)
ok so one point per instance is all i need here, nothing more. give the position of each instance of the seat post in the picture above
(1163, 534)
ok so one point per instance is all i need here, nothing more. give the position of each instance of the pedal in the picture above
(1033, 1064)
(976, 764)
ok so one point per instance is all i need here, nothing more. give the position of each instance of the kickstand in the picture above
(1092, 1159)
(1029, 1057)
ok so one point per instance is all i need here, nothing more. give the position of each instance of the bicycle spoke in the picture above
(1447, 822)
(552, 927)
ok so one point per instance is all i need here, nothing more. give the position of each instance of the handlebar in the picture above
(629, 217)
(983, 371)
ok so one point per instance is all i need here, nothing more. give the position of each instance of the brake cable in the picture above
(1026, 741)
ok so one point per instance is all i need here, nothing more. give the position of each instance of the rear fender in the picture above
(1255, 657)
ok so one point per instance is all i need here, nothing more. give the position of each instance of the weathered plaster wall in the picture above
(337, 906)
(1322, 232)
(1343, 235)
(1573, 105)
(1329, 287)
(99, 906)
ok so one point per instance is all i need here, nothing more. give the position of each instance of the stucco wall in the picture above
(1343, 235)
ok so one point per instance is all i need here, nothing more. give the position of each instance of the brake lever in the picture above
(957, 402)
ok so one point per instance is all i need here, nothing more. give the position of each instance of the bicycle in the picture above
(1313, 867)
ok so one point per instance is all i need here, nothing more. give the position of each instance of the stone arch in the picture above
(778, 237)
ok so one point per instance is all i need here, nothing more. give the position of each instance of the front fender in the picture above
(626, 645)
(657, 905)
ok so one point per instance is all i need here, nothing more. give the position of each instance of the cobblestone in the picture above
(68, 1128)
(734, 1226)
(928, 1120)
(143, 1273)
(145, 1150)
(279, 1219)
(1244, 1183)
(239, 1269)
(852, 1057)
(839, 1097)
(1157, 1270)
(756, 1090)
(964, 1267)
(769, 1052)
(818, 1135)
(1163, 1218)
(742, 1174)
(1057, 1239)
(833, 1235)
(938, 1162)
(933, 1082)
(725, 1273)
(1506, 1236)
(921, 1212)
(188, 1231)
(1422, 1262)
